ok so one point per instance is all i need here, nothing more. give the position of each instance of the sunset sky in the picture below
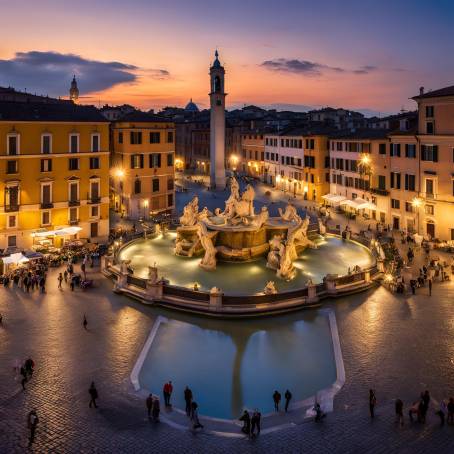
(151, 53)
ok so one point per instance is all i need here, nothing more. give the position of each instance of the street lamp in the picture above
(278, 180)
(119, 174)
(145, 208)
(416, 203)
(234, 161)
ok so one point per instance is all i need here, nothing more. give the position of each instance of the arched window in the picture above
(137, 187)
(217, 84)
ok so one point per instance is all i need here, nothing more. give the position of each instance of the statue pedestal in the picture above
(312, 294)
(155, 290)
(330, 283)
(216, 300)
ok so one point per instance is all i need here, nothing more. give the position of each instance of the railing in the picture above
(186, 293)
(73, 221)
(10, 208)
(94, 200)
(350, 278)
(379, 191)
(238, 300)
(47, 205)
(137, 281)
(73, 203)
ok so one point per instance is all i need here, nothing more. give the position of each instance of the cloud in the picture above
(51, 73)
(310, 68)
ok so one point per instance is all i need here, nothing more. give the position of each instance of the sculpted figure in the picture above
(270, 288)
(273, 258)
(190, 212)
(208, 261)
(153, 274)
(290, 213)
(286, 269)
(258, 220)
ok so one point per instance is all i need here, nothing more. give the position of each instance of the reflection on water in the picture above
(333, 256)
(233, 364)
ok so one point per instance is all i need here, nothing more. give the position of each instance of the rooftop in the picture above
(38, 111)
(447, 91)
(142, 117)
(360, 134)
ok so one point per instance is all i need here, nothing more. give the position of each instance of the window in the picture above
(74, 192)
(46, 194)
(395, 204)
(13, 144)
(73, 163)
(395, 180)
(74, 143)
(94, 211)
(93, 229)
(382, 148)
(12, 197)
(430, 129)
(429, 209)
(409, 208)
(169, 136)
(135, 137)
(169, 159)
(381, 182)
(170, 184)
(429, 153)
(410, 182)
(45, 217)
(94, 191)
(94, 163)
(12, 242)
(120, 137)
(155, 185)
(169, 200)
(137, 186)
(327, 177)
(73, 215)
(46, 165)
(394, 149)
(410, 150)
(11, 167)
(95, 142)
(46, 144)
(429, 187)
(155, 137)
(154, 160)
(429, 111)
(137, 161)
(12, 221)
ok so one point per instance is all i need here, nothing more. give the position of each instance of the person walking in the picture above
(149, 404)
(167, 392)
(451, 410)
(196, 424)
(60, 280)
(1, 319)
(29, 367)
(156, 409)
(288, 397)
(442, 411)
(188, 400)
(23, 372)
(399, 412)
(65, 276)
(372, 402)
(72, 283)
(85, 322)
(93, 395)
(246, 419)
(32, 422)
(276, 399)
(255, 422)
(430, 286)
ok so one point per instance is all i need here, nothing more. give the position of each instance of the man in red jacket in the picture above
(167, 391)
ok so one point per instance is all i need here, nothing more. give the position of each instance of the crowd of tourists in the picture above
(29, 277)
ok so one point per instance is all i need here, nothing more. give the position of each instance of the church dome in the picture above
(191, 107)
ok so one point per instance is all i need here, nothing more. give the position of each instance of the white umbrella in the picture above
(16, 258)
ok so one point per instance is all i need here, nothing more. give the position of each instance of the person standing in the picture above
(85, 322)
(188, 400)
(167, 391)
(399, 412)
(156, 409)
(196, 424)
(255, 422)
(288, 397)
(451, 410)
(65, 276)
(149, 404)
(430, 286)
(246, 422)
(372, 402)
(442, 412)
(60, 280)
(276, 399)
(93, 395)
(23, 372)
(32, 422)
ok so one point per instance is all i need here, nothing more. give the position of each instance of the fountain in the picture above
(238, 234)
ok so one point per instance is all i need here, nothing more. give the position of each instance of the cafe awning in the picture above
(333, 198)
(359, 204)
(59, 232)
(15, 259)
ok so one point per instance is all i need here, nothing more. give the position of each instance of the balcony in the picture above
(9, 208)
(379, 191)
(46, 205)
(94, 200)
(73, 203)
(73, 221)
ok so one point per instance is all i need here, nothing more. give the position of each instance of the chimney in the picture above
(421, 91)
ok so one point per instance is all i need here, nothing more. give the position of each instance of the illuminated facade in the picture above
(54, 171)
(143, 165)
(252, 159)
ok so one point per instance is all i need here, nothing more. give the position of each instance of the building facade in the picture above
(143, 165)
(252, 159)
(54, 172)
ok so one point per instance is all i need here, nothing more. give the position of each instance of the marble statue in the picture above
(286, 269)
(273, 258)
(234, 188)
(190, 213)
(153, 274)
(208, 261)
(297, 236)
(259, 220)
(215, 291)
(270, 288)
(290, 214)
(321, 227)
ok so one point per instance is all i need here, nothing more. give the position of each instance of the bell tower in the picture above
(74, 91)
(217, 124)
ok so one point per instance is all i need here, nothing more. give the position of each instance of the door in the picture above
(431, 229)
(395, 223)
(93, 229)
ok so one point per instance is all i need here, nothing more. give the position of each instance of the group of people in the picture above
(25, 370)
(29, 277)
(277, 399)
(251, 424)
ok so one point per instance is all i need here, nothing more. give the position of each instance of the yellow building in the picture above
(143, 165)
(252, 154)
(54, 172)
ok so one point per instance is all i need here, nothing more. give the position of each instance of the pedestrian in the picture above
(426, 402)
(1, 319)
(196, 424)
(85, 322)
(155, 409)
(29, 367)
(288, 397)
(430, 286)
(65, 276)
(93, 395)
(319, 415)
(82, 267)
(399, 412)
(245, 417)
(42, 284)
(188, 400)
(451, 410)
(442, 411)
(60, 280)
(372, 402)
(255, 422)
(276, 399)
(72, 283)
(149, 404)
(32, 422)
(24, 377)
(167, 392)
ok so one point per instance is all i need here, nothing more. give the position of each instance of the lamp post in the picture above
(233, 161)
(278, 180)
(145, 209)
(416, 203)
(119, 173)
